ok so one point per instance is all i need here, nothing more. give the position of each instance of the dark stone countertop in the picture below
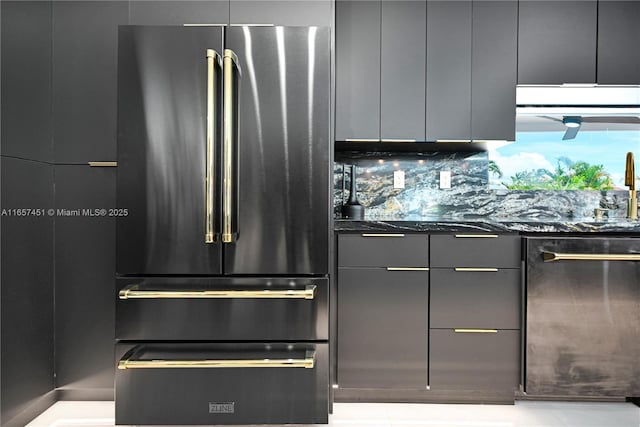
(524, 226)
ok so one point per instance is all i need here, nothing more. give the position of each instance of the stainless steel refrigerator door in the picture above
(283, 151)
(169, 101)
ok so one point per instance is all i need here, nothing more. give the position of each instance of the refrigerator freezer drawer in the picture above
(277, 383)
(222, 309)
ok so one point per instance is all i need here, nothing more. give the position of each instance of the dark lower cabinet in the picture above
(382, 328)
(205, 384)
(474, 360)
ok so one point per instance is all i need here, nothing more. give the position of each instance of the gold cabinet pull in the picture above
(555, 256)
(213, 60)
(470, 269)
(130, 292)
(476, 236)
(407, 268)
(382, 235)
(475, 331)
(308, 362)
(230, 146)
(103, 164)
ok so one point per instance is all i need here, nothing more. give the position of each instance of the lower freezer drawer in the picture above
(274, 383)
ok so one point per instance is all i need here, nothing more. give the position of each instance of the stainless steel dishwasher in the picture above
(583, 317)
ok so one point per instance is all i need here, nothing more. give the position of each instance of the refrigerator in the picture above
(223, 234)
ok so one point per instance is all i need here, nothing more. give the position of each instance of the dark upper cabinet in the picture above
(402, 68)
(557, 42)
(448, 110)
(618, 41)
(85, 44)
(162, 12)
(84, 268)
(494, 70)
(358, 69)
(283, 12)
(26, 80)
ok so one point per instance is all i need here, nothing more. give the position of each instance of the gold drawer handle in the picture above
(103, 164)
(308, 363)
(476, 236)
(407, 268)
(309, 292)
(487, 269)
(382, 235)
(554, 256)
(476, 331)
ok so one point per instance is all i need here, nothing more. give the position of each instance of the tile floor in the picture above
(522, 414)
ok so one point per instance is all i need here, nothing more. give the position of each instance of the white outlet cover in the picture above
(445, 180)
(398, 179)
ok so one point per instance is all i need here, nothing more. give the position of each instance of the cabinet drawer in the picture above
(382, 328)
(474, 361)
(383, 250)
(475, 250)
(221, 309)
(229, 384)
(475, 299)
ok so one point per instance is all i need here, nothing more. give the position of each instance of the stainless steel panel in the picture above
(483, 299)
(162, 92)
(240, 395)
(382, 328)
(233, 319)
(476, 250)
(583, 319)
(474, 360)
(383, 250)
(283, 151)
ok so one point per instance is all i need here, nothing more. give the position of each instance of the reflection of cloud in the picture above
(618, 180)
(509, 165)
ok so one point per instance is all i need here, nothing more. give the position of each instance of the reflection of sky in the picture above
(534, 150)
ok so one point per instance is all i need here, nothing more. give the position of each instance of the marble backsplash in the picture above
(468, 197)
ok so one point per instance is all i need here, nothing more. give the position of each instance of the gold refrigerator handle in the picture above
(555, 256)
(130, 292)
(213, 60)
(230, 62)
(308, 362)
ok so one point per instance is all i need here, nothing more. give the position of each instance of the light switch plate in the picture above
(398, 179)
(445, 180)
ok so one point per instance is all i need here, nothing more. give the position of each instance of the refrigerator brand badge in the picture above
(221, 407)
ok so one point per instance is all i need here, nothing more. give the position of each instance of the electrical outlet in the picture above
(445, 180)
(398, 179)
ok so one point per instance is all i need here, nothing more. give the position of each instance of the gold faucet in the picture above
(630, 181)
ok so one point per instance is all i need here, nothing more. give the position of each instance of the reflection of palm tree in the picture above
(494, 168)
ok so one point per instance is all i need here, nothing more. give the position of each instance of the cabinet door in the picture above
(357, 70)
(382, 328)
(163, 12)
(494, 70)
(557, 42)
(448, 70)
(85, 306)
(26, 80)
(282, 12)
(85, 45)
(403, 69)
(618, 41)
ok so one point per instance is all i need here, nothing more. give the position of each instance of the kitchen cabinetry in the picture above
(357, 70)
(382, 310)
(85, 45)
(475, 312)
(448, 70)
(557, 42)
(583, 317)
(163, 12)
(84, 302)
(402, 68)
(618, 41)
(282, 12)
